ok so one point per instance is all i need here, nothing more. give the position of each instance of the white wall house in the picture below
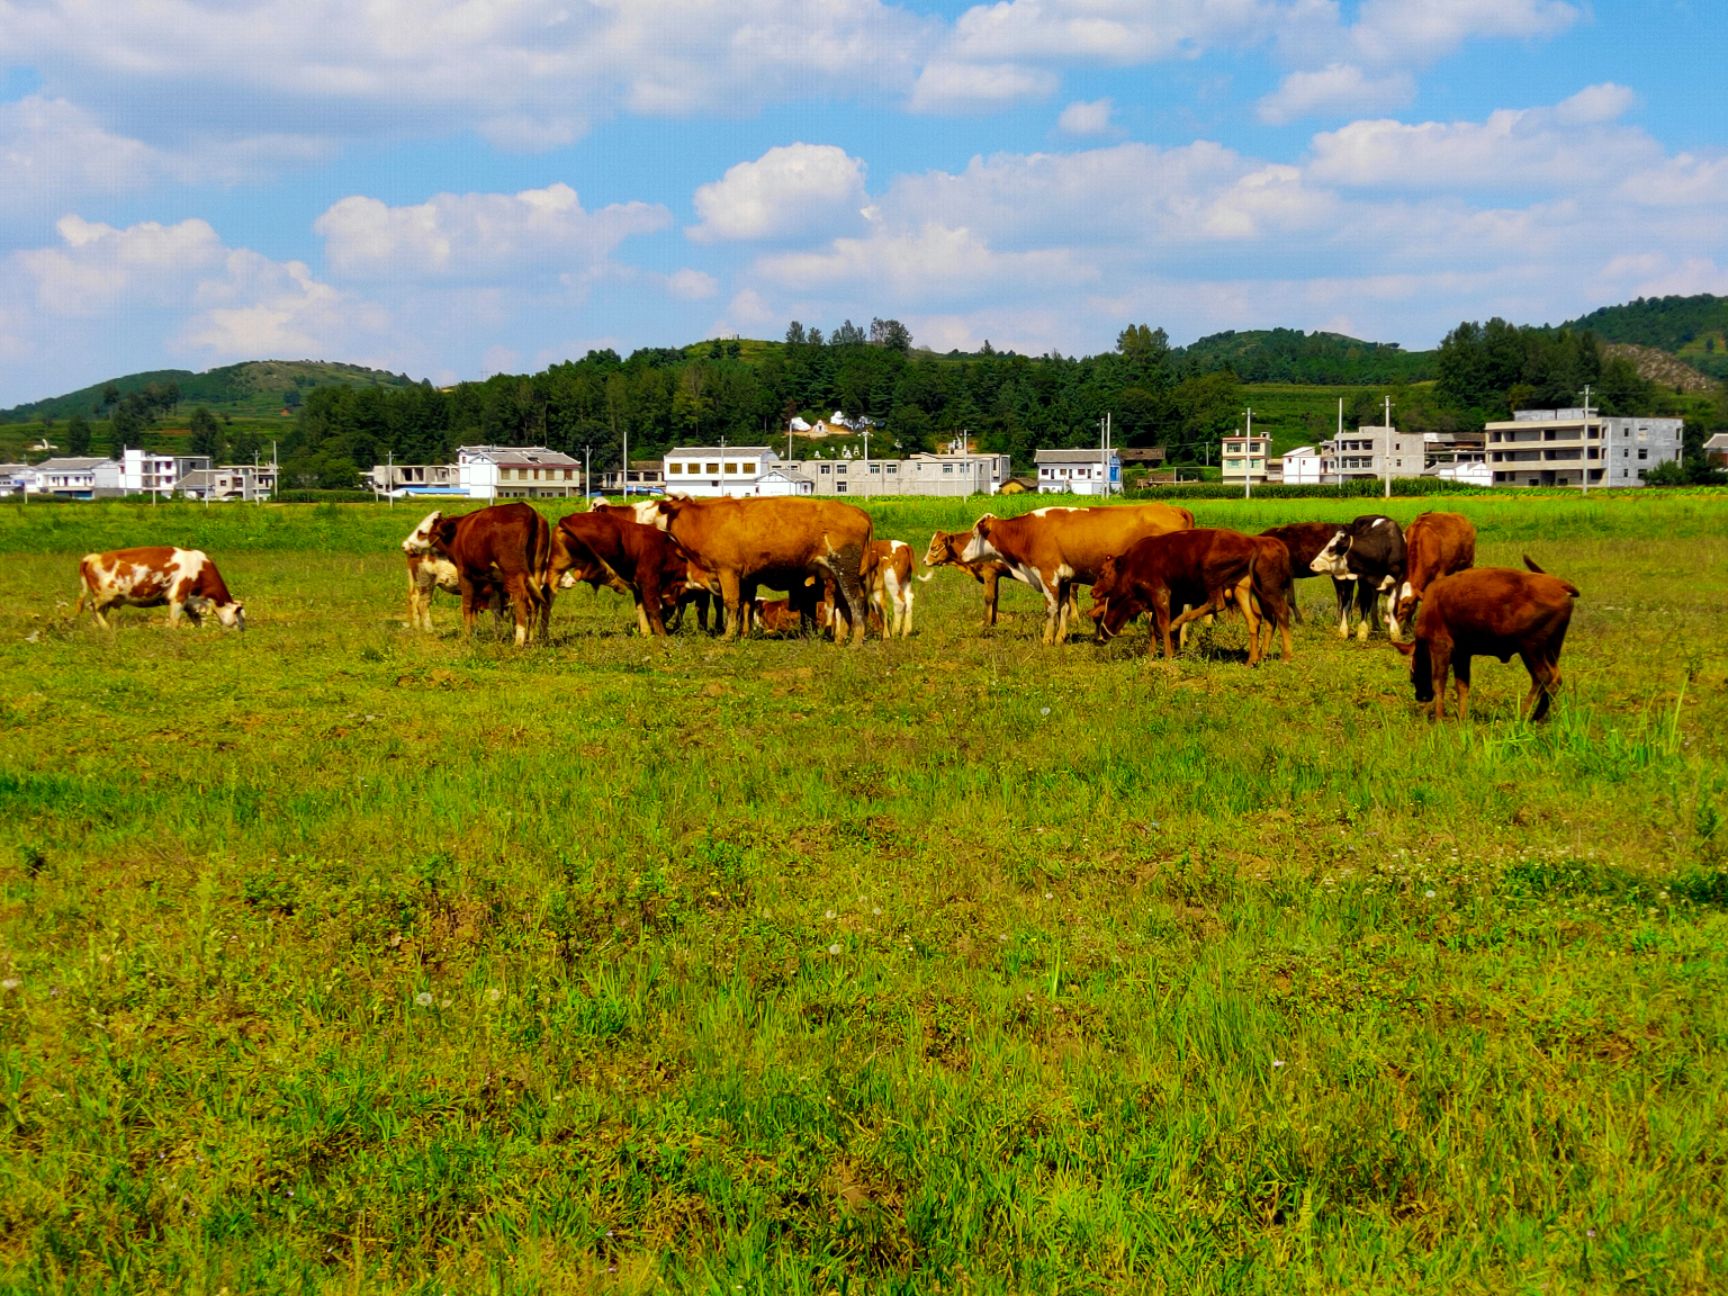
(1244, 458)
(1078, 472)
(76, 478)
(1564, 447)
(15, 478)
(1303, 466)
(247, 482)
(717, 470)
(404, 480)
(922, 474)
(516, 472)
(146, 472)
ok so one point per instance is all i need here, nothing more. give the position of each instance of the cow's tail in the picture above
(926, 578)
(1566, 585)
(542, 558)
(86, 587)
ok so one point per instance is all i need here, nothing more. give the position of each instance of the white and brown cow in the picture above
(184, 579)
(888, 585)
(429, 571)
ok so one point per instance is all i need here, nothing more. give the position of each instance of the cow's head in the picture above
(419, 540)
(1404, 605)
(1421, 668)
(442, 534)
(666, 511)
(1114, 604)
(232, 615)
(1334, 559)
(941, 550)
(978, 546)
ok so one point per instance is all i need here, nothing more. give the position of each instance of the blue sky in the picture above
(453, 189)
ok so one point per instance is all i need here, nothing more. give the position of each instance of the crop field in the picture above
(336, 957)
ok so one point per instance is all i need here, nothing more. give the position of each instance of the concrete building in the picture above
(1244, 458)
(1715, 451)
(921, 474)
(1563, 447)
(645, 477)
(14, 477)
(1078, 472)
(248, 482)
(1304, 466)
(717, 470)
(404, 480)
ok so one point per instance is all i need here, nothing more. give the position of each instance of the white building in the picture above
(146, 472)
(1472, 472)
(717, 470)
(922, 474)
(1078, 472)
(404, 480)
(76, 478)
(1303, 466)
(15, 477)
(1563, 447)
(516, 472)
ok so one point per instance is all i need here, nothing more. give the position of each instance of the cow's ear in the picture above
(982, 526)
(1405, 648)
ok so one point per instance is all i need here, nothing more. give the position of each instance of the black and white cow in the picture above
(1370, 552)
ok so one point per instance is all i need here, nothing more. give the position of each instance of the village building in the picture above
(1078, 472)
(1575, 447)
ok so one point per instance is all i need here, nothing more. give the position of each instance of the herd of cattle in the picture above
(716, 555)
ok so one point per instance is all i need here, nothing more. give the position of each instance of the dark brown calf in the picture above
(1435, 545)
(1203, 568)
(505, 544)
(1490, 612)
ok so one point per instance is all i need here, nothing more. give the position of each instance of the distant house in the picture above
(1244, 459)
(1019, 486)
(250, 482)
(14, 477)
(921, 474)
(1143, 457)
(145, 472)
(646, 477)
(1303, 466)
(1079, 472)
(1571, 447)
(717, 470)
(405, 480)
(77, 478)
(1716, 450)
(516, 472)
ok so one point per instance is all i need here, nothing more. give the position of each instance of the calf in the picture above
(644, 559)
(1490, 612)
(777, 616)
(1304, 541)
(428, 571)
(944, 551)
(1436, 545)
(888, 585)
(1369, 551)
(1202, 568)
(505, 545)
(185, 579)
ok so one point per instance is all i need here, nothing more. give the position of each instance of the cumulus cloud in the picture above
(955, 87)
(456, 236)
(794, 189)
(1106, 31)
(691, 285)
(1086, 118)
(1573, 143)
(918, 264)
(1397, 31)
(1336, 88)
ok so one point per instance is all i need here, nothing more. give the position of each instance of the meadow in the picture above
(336, 957)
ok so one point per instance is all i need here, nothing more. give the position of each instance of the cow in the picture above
(1203, 568)
(1435, 545)
(944, 551)
(1369, 551)
(777, 616)
(650, 566)
(1056, 550)
(185, 579)
(504, 545)
(889, 585)
(1490, 612)
(741, 540)
(1305, 540)
(700, 587)
(428, 571)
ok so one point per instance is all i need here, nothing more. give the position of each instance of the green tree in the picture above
(77, 435)
(206, 438)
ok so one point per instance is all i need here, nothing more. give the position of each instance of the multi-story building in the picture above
(1567, 447)
(516, 472)
(717, 470)
(1243, 458)
(76, 478)
(1304, 466)
(249, 482)
(922, 474)
(1078, 472)
(15, 478)
(415, 479)
(146, 472)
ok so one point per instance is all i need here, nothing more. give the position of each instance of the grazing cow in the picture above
(1435, 545)
(185, 579)
(1490, 612)
(504, 545)
(1305, 540)
(1370, 551)
(742, 540)
(651, 567)
(428, 571)
(945, 549)
(1203, 568)
(888, 583)
(1056, 550)
(700, 587)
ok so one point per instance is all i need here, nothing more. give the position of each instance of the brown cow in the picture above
(185, 579)
(742, 539)
(652, 568)
(505, 544)
(888, 582)
(1490, 612)
(1305, 540)
(944, 551)
(1056, 550)
(777, 616)
(1203, 568)
(428, 571)
(1435, 545)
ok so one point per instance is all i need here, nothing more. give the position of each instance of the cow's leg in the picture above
(98, 610)
(1345, 592)
(1052, 613)
(848, 581)
(1367, 610)
(1461, 674)
(1250, 614)
(731, 595)
(992, 589)
(470, 595)
(1290, 601)
(516, 586)
(1544, 683)
(1161, 626)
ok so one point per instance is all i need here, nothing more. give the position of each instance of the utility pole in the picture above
(390, 477)
(587, 480)
(1248, 458)
(1584, 448)
(1387, 470)
(867, 489)
(624, 467)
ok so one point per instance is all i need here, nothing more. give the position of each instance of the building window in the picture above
(823, 469)
(713, 469)
(749, 470)
(1643, 453)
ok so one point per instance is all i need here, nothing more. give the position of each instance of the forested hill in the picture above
(1695, 329)
(254, 387)
(1292, 356)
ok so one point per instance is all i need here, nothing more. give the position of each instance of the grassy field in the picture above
(335, 957)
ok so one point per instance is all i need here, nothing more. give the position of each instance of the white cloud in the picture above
(953, 87)
(1086, 118)
(1399, 31)
(919, 264)
(1684, 180)
(466, 236)
(1106, 31)
(794, 189)
(1572, 144)
(1336, 88)
(691, 285)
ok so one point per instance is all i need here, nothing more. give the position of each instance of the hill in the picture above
(1693, 329)
(1292, 356)
(1661, 367)
(255, 387)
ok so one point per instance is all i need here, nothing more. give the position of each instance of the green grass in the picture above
(338, 957)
